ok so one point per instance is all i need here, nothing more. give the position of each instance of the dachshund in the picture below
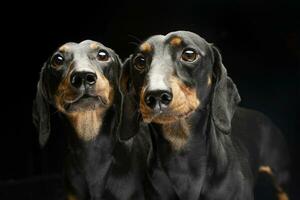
(204, 146)
(80, 81)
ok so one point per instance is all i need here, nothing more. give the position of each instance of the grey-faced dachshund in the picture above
(204, 145)
(80, 80)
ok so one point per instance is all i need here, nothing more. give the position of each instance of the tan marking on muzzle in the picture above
(146, 47)
(87, 123)
(176, 41)
(184, 102)
(63, 91)
(105, 87)
(94, 45)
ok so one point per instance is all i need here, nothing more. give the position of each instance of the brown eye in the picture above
(102, 55)
(57, 60)
(139, 63)
(189, 55)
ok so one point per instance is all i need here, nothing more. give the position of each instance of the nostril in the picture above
(166, 98)
(150, 101)
(91, 78)
(76, 81)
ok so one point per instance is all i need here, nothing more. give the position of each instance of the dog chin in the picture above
(165, 118)
(84, 104)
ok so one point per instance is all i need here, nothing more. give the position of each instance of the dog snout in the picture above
(158, 99)
(83, 78)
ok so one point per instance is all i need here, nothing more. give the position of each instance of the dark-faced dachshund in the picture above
(80, 80)
(204, 145)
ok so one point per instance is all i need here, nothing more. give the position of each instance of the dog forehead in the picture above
(89, 45)
(156, 39)
(186, 35)
(67, 47)
(83, 48)
(70, 47)
(190, 38)
(154, 42)
(158, 42)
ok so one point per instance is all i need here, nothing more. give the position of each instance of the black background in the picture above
(259, 41)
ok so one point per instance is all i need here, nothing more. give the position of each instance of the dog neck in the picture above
(179, 132)
(187, 143)
(176, 133)
(87, 124)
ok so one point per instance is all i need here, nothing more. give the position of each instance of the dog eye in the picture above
(57, 60)
(139, 63)
(189, 55)
(102, 55)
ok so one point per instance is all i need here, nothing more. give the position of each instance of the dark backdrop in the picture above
(259, 41)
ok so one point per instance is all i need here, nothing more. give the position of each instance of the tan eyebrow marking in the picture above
(176, 41)
(94, 45)
(146, 47)
(64, 48)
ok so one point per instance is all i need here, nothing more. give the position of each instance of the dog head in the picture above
(79, 79)
(176, 74)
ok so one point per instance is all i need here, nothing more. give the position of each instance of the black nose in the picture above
(83, 78)
(161, 98)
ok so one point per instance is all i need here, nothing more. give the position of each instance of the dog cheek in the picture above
(184, 97)
(193, 100)
(59, 95)
(58, 101)
(105, 89)
(179, 98)
(111, 95)
(145, 111)
(64, 92)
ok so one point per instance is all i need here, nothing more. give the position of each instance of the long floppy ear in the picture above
(129, 113)
(115, 76)
(116, 68)
(124, 79)
(40, 111)
(225, 97)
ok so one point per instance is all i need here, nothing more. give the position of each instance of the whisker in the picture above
(135, 37)
(134, 43)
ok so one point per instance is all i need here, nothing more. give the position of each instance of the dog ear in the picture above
(116, 69)
(124, 79)
(225, 96)
(129, 114)
(40, 111)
